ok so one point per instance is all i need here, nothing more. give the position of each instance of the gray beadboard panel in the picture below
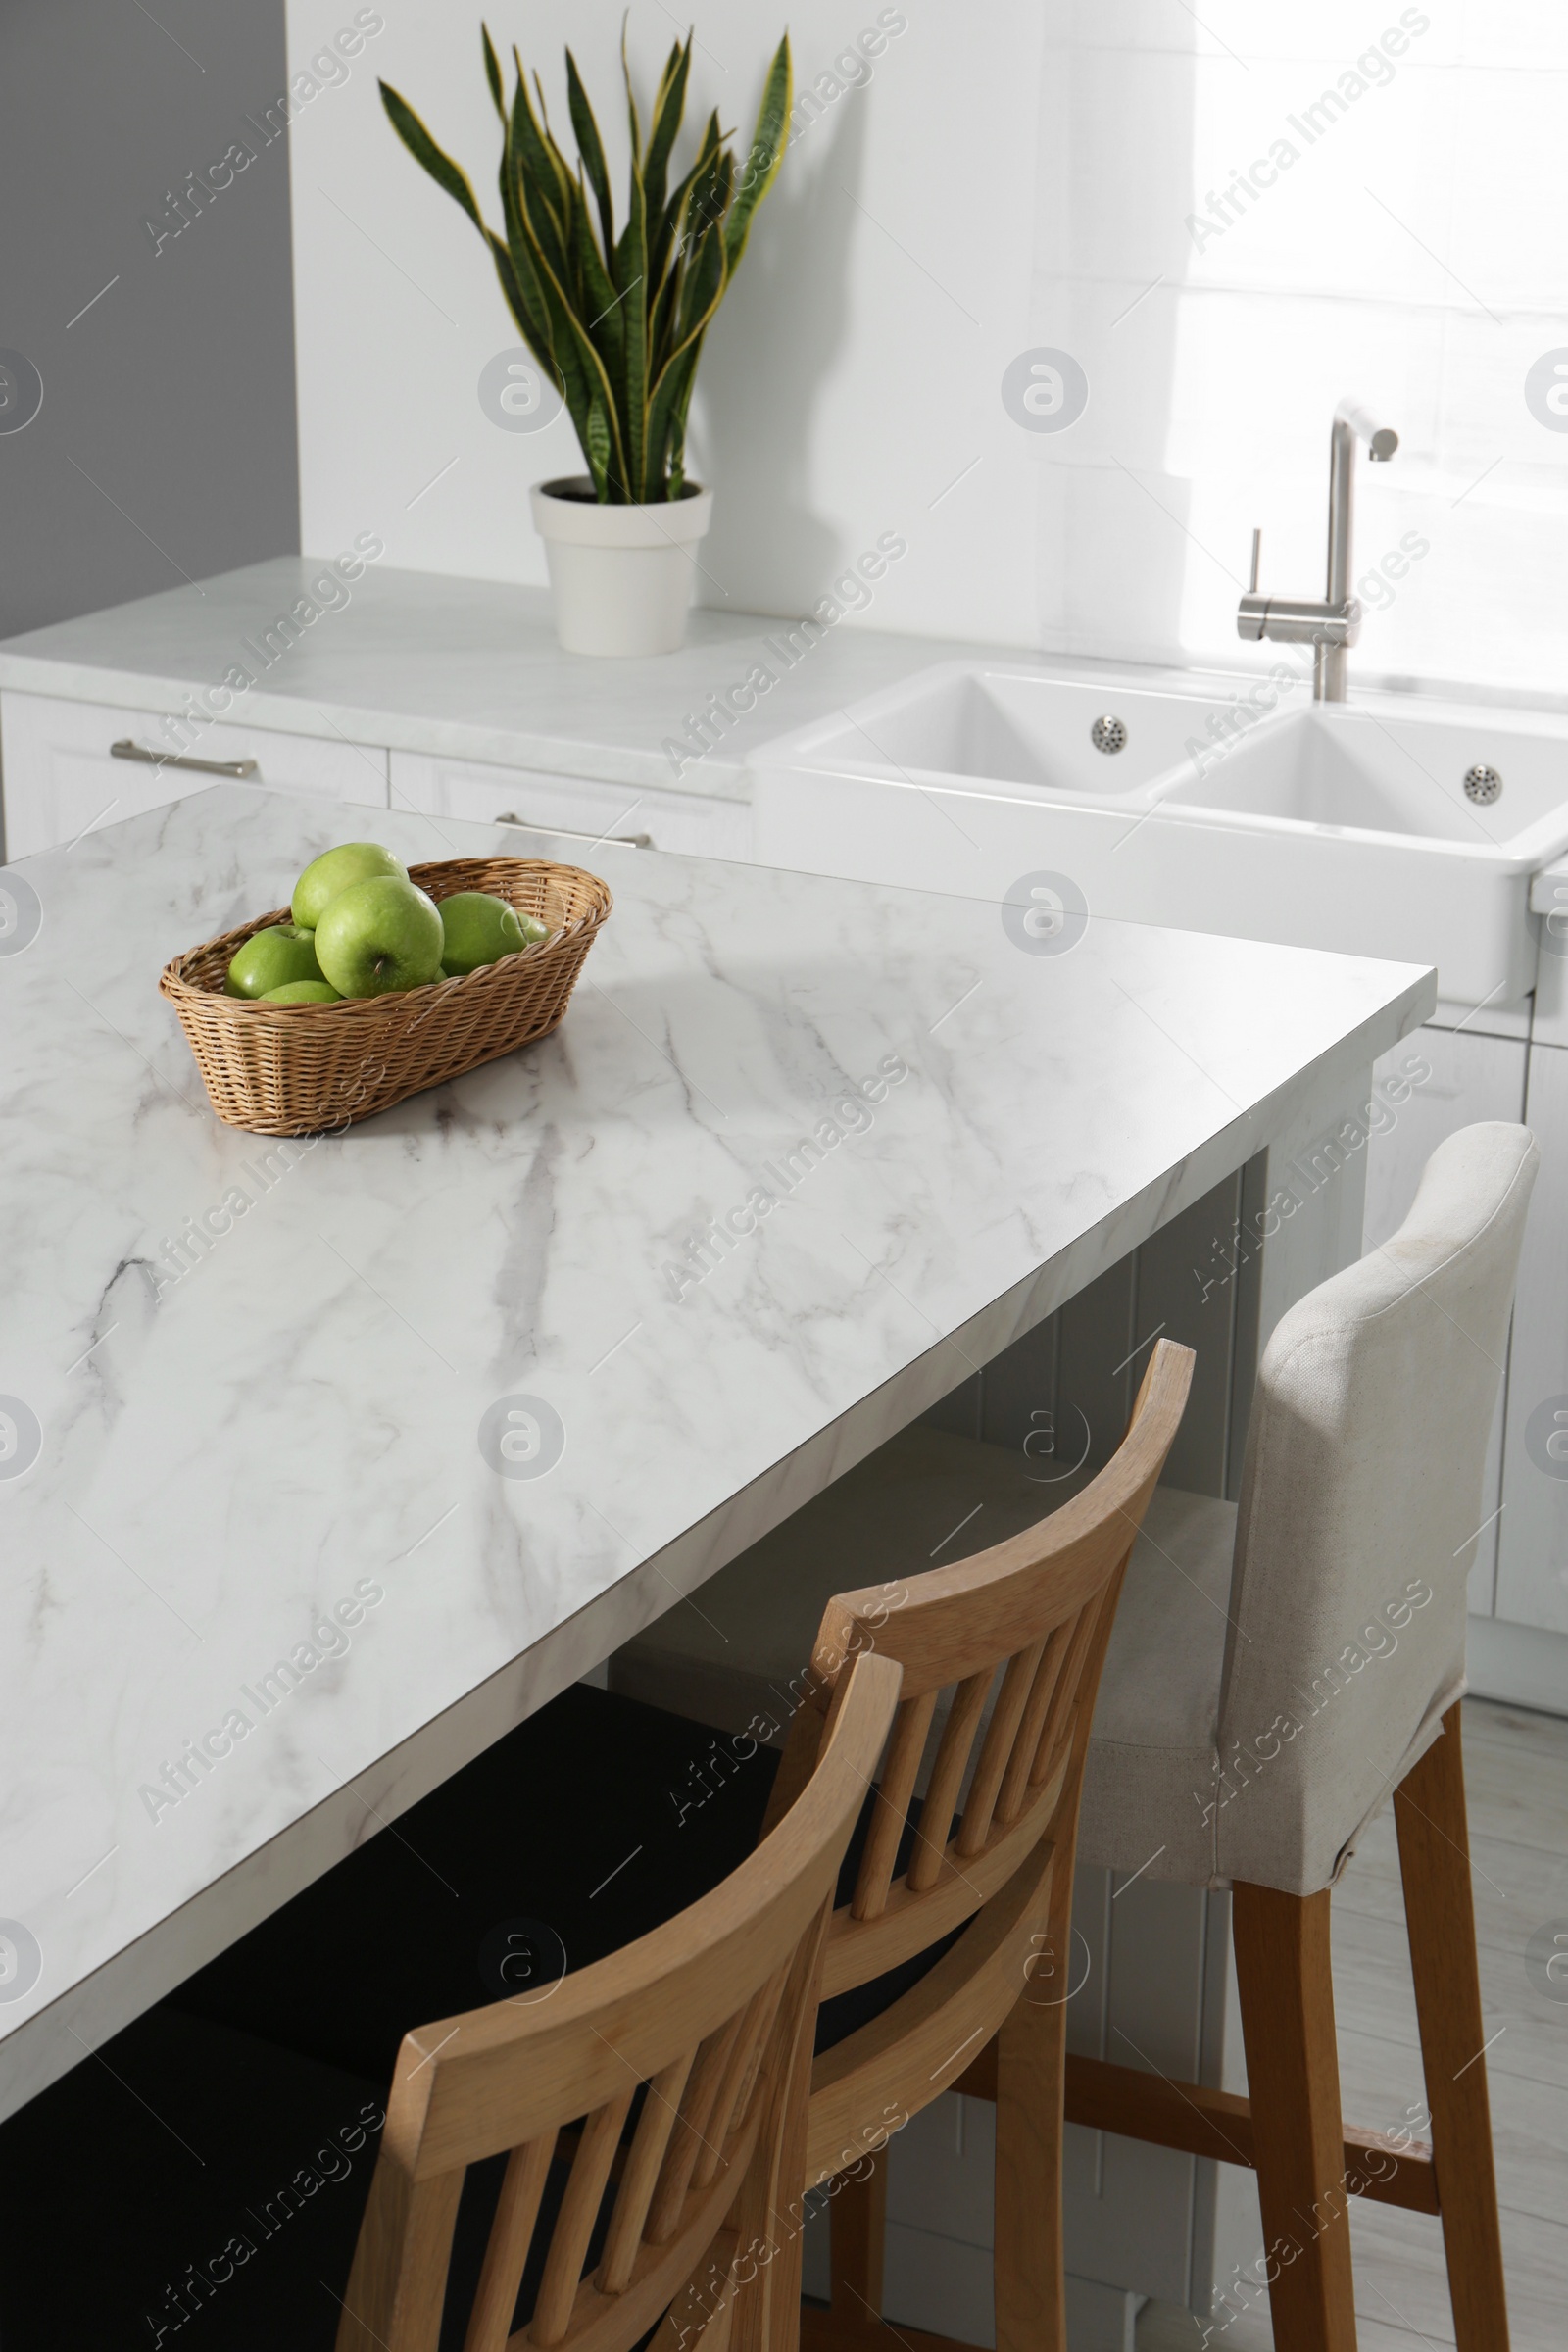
(1071, 1381)
(1095, 1384)
(962, 1409)
(1187, 1291)
(1021, 1398)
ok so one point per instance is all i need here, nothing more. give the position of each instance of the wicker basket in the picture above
(297, 1069)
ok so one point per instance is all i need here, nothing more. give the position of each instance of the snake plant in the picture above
(616, 322)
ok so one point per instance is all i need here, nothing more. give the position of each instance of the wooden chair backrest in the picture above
(707, 2015)
(1032, 1615)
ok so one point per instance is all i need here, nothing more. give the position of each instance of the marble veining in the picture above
(270, 1384)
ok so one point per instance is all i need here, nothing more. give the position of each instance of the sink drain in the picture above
(1483, 785)
(1110, 735)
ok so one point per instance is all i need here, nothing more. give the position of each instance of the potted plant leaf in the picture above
(615, 319)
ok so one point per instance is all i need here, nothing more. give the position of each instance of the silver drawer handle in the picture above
(614, 841)
(209, 768)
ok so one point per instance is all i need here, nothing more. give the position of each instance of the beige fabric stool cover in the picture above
(1256, 1712)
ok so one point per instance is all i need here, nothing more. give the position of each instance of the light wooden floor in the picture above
(1516, 1774)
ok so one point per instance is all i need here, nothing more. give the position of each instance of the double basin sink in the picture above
(1387, 826)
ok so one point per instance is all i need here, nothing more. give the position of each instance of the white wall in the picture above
(1014, 177)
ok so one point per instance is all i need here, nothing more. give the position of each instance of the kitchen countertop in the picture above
(470, 670)
(217, 1460)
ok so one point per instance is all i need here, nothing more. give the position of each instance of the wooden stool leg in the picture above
(1287, 1994)
(1429, 1809)
(1031, 2075)
(857, 2223)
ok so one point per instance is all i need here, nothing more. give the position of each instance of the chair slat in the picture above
(1057, 1726)
(686, 2140)
(579, 2210)
(1015, 1780)
(736, 2066)
(661, 2110)
(947, 1777)
(768, 2019)
(505, 2254)
(891, 1808)
(748, 2090)
(1001, 1734)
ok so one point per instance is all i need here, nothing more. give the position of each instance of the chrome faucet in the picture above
(1332, 623)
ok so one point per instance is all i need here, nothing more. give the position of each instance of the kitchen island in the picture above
(328, 1460)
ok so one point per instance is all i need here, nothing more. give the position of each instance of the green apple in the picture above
(378, 937)
(480, 927)
(303, 992)
(339, 869)
(270, 958)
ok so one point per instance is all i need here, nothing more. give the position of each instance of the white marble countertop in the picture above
(209, 1466)
(470, 670)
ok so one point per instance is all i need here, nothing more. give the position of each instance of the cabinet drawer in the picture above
(62, 778)
(686, 823)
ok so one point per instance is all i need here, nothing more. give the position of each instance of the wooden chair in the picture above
(645, 2118)
(1011, 1641)
(706, 2020)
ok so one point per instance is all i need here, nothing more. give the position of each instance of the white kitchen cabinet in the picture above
(1533, 1552)
(690, 823)
(1549, 1026)
(1434, 1083)
(61, 778)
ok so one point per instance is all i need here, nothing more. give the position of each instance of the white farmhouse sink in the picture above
(1349, 826)
(978, 725)
(1331, 825)
(1346, 766)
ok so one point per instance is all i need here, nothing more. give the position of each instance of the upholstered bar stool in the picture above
(1254, 1747)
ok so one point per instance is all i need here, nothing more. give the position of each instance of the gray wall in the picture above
(165, 446)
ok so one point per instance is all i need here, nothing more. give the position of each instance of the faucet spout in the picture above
(1332, 625)
(1351, 423)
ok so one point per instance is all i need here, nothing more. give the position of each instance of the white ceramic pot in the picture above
(621, 576)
